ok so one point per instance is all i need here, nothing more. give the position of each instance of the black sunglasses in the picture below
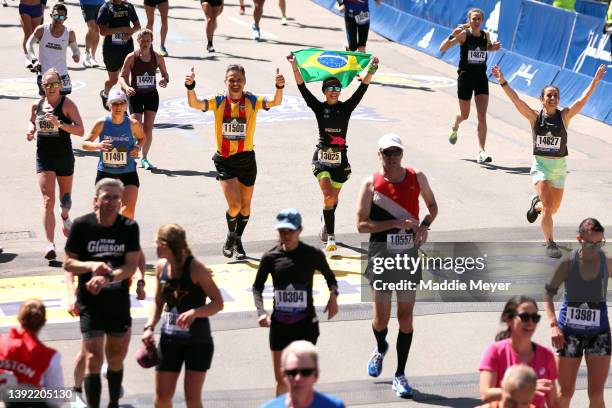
(391, 152)
(332, 88)
(304, 372)
(525, 317)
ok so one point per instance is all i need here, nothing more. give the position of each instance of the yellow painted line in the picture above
(234, 280)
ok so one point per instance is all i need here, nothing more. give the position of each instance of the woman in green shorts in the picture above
(549, 133)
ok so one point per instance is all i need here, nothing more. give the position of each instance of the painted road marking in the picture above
(27, 86)
(414, 81)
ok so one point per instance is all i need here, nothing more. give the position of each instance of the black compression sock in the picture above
(231, 222)
(115, 378)
(329, 218)
(404, 341)
(93, 389)
(242, 223)
(381, 343)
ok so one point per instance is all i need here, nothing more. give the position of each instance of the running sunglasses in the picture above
(525, 317)
(392, 152)
(304, 372)
(58, 17)
(50, 85)
(593, 245)
(332, 88)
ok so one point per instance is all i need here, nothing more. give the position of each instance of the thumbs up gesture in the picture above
(190, 77)
(280, 79)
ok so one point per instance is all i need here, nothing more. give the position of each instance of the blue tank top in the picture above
(118, 159)
(584, 310)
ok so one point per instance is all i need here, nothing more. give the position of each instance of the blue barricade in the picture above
(589, 47)
(527, 75)
(572, 85)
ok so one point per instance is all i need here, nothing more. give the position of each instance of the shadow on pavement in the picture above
(439, 400)
(268, 40)
(172, 125)
(7, 257)
(56, 264)
(511, 170)
(85, 153)
(188, 173)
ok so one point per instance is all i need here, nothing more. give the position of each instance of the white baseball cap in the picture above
(390, 140)
(117, 95)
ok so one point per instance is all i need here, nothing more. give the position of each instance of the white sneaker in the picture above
(331, 244)
(79, 401)
(483, 157)
(87, 61)
(284, 21)
(93, 61)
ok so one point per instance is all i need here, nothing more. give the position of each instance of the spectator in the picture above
(569, 5)
(518, 388)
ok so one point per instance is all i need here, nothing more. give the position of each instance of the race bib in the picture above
(114, 158)
(117, 38)
(290, 300)
(66, 84)
(476, 57)
(46, 128)
(169, 326)
(145, 81)
(234, 129)
(362, 18)
(548, 142)
(577, 316)
(330, 157)
(399, 242)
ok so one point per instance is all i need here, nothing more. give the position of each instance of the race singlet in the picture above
(477, 56)
(169, 326)
(234, 128)
(115, 157)
(583, 317)
(290, 299)
(362, 18)
(400, 242)
(548, 142)
(330, 157)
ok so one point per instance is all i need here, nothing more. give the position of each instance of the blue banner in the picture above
(572, 86)
(589, 47)
(545, 41)
(527, 75)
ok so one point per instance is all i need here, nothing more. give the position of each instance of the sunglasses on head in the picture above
(50, 85)
(525, 317)
(332, 88)
(391, 152)
(58, 17)
(304, 372)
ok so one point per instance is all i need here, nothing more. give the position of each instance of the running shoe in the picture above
(239, 251)
(66, 225)
(375, 363)
(79, 401)
(532, 214)
(104, 99)
(50, 252)
(256, 33)
(323, 231)
(401, 387)
(28, 62)
(210, 47)
(284, 21)
(228, 246)
(331, 244)
(552, 250)
(104, 371)
(87, 60)
(452, 136)
(483, 157)
(242, 10)
(93, 62)
(146, 164)
(163, 51)
(4, 3)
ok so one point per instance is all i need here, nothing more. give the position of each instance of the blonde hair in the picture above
(52, 71)
(32, 315)
(301, 348)
(175, 238)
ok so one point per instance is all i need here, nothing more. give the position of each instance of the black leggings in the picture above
(356, 35)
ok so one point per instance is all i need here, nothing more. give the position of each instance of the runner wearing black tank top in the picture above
(549, 136)
(475, 44)
(138, 80)
(53, 119)
(183, 284)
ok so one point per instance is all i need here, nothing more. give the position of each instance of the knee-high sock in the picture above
(404, 341)
(93, 389)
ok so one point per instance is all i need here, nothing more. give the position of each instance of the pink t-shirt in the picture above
(500, 355)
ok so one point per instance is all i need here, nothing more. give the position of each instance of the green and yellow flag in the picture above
(318, 65)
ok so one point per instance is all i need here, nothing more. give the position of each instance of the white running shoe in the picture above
(87, 60)
(283, 20)
(93, 61)
(331, 244)
(79, 401)
(483, 157)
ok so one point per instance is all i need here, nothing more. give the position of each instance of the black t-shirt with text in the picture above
(117, 15)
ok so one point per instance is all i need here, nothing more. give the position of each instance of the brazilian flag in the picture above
(317, 65)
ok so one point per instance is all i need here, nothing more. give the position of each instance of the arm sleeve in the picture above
(259, 284)
(323, 267)
(354, 100)
(312, 102)
(53, 377)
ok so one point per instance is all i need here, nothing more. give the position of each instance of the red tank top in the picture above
(25, 356)
(397, 198)
(143, 73)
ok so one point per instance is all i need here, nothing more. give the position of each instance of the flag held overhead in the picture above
(317, 65)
